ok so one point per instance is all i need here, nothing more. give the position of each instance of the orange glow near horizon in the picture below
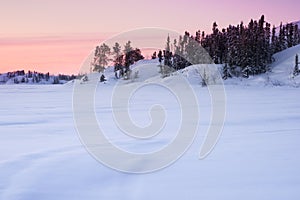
(57, 55)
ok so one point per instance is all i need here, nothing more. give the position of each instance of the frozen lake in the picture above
(256, 157)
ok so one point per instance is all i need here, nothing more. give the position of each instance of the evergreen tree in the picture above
(176, 47)
(181, 46)
(205, 78)
(117, 50)
(131, 57)
(159, 55)
(296, 69)
(226, 73)
(274, 41)
(198, 36)
(101, 57)
(168, 48)
(128, 47)
(154, 55)
(248, 48)
(55, 80)
(290, 34)
(118, 57)
(47, 76)
(267, 45)
(296, 36)
(282, 40)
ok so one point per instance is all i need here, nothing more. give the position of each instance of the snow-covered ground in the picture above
(256, 157)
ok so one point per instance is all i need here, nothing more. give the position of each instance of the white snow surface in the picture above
(256, 157)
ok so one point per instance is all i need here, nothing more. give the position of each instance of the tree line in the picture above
(242, 49)
(20, 76)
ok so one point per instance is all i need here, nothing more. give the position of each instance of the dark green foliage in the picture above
(226, 73)
(154, 55)
(55, 80)
(249, 47)
(101, 57)
(296, 69)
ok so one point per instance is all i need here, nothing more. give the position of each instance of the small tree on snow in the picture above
(296, 69)
(168, 48)
(204, 78)
(226, 73)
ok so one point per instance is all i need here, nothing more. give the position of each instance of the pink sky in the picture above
(57, 35)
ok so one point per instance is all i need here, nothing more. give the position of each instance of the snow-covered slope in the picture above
(281, 73)
(283, 67)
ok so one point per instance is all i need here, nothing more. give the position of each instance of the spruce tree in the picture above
(296, 36)
(154, 55)
(101, 57)
(128, 47)
(290, 34)
(226, 73)
(282, 39)
(118, 57)
(168, 48)
(296, 69)
(117, 50)
(274, 41)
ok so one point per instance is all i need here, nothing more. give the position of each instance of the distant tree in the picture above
(118, 60)
(55, 80)
(246, 72)
(154, 55)
(47, 76)
(282, 39)
(127, 47)
(198, 36)
(181, 45)
(226, 73)
(296, 37)
(29, 74)
(290, 34)
(23, 80)
(167, 58)
(117, 52)
(101, 58)
(168, 48)
(16, 81)
(205, 78)
(160, 56)
(274, 41)
(176, 47)
(133, 56)
(296, 69)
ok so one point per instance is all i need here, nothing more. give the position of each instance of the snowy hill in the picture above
(279, 75)
(283, 67)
